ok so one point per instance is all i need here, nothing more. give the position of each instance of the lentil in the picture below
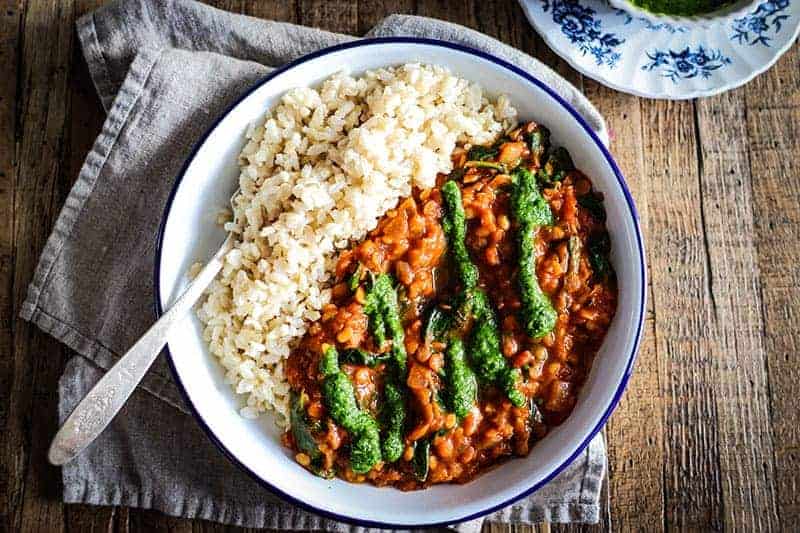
(398, 335)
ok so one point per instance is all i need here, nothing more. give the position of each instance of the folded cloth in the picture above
(164, 71)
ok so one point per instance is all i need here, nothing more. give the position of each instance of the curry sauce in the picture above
(461, 329)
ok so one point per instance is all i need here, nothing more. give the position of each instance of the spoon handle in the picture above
(104, 401)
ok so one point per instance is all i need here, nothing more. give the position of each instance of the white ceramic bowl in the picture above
(189, 233)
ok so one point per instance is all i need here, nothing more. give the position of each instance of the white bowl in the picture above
(734, 10)
(189, 233)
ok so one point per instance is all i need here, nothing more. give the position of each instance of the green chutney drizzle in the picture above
(461, 383)
(531, 211)
(340, 401)
(455, 228)
(684, 8)
(484, 344)
(383, 310)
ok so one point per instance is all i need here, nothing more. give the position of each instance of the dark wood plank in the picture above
(370, 12)
(141, 521)
(42, 509)
(122, 522)
(89, 519)
(11, 458)
(505, 22)
(234, 6)
(679, 269)
(502, 528)
(339, 16)
(202, 526)
(45, 62)
(773, 128)
(459, 12)
(282, 11)
(736, 328)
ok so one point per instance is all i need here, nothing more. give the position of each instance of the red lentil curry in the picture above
(461, 329)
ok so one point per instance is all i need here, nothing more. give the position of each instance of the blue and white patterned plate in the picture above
(637, 56)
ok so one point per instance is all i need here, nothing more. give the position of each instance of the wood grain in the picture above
(41, 119)
(736, 328)
(339, 15)
(707, 435)
(773, 124)
(89, 519)
(371, 12)
(151, 521)
(11, 448)
(682, 312)
(282, 11)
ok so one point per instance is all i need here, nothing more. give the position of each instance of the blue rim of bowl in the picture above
(642, 273)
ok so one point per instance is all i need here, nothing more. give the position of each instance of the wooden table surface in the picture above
(706, 436)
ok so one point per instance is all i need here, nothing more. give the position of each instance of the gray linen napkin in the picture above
(164, 71)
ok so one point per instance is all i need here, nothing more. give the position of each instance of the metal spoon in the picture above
(104, 401)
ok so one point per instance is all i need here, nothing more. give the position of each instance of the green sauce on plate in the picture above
(680, 7)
